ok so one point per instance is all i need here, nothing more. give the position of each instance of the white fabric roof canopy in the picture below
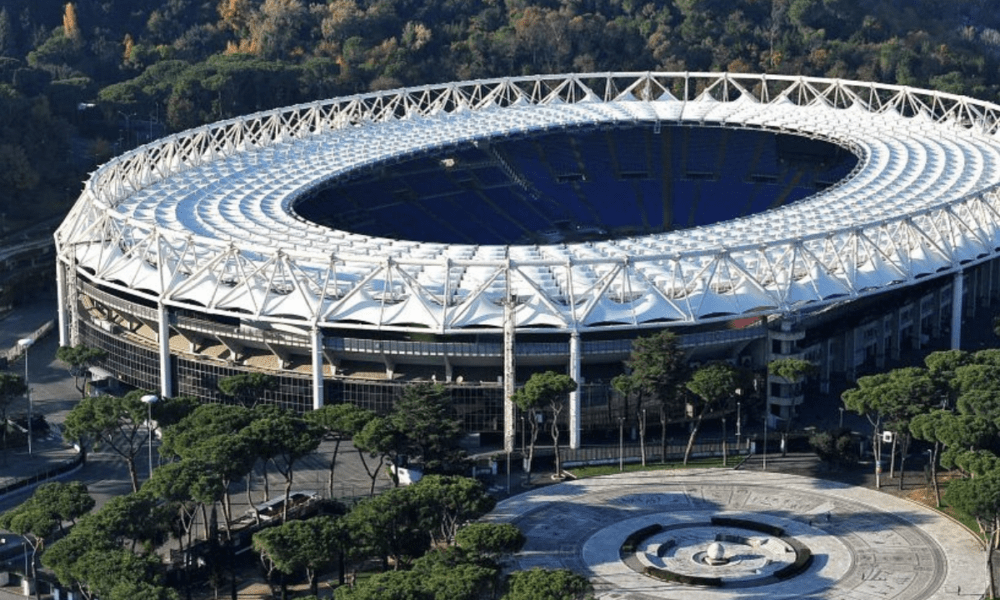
(202, 218)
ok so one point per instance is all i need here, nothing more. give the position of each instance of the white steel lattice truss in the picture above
(201, 219)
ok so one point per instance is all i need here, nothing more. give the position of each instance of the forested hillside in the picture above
(80, 82)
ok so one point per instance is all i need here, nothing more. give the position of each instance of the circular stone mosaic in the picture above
(714, 534)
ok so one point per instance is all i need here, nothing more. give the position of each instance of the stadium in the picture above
(472, 233)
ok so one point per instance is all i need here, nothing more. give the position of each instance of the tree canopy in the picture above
(547, 584)
(490, 539)
(546, 389)
(80, 359)
(424, 415)
(657, 369)
(284, 438)
(248, 388)
(117, 423)
(310, 545)
(712, 385)
(340, 422)
(93, 560)
(42, 515)
(80, 85)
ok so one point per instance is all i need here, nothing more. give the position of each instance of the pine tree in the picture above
(129, 45)
(71, 26)
(7, 41)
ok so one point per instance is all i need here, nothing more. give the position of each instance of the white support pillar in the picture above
(69, 273)
(163, 339)
(509, 373)
(317, 368)
(61, 300)
(574, 397)
(956, 311)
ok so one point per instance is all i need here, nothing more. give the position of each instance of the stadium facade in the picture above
(471, 233)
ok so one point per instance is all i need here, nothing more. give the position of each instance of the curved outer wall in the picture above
(199, 223)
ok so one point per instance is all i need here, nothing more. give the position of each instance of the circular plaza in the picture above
(717, 534)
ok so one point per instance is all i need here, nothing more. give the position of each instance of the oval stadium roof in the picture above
(203, 219)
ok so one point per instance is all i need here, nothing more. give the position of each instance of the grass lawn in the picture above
(961, 517)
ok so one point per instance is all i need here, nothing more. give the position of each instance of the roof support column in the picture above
(509, 413)
(574, 396)
(61, 300)
(956, 310)
(163, 340)
(317, 368)
(73, 298)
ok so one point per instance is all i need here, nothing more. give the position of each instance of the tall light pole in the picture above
(739, 421)
(841, 417)
(149, 400)
(24, 344)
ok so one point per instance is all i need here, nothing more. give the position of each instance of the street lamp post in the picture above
(508, 472)
(724, 449)
(149, 400)
(739, 421)
(841, 417)
(523, 425)
(24, 344)
(128, 126)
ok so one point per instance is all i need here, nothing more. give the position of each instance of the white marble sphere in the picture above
(715, 553)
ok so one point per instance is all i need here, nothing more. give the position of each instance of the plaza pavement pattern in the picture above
(865, 544)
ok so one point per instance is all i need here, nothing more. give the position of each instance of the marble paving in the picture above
(866, 545)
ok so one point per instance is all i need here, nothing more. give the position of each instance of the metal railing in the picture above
(41, 476)
(631, 452)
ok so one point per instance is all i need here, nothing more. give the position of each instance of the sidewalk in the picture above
(16, 466)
